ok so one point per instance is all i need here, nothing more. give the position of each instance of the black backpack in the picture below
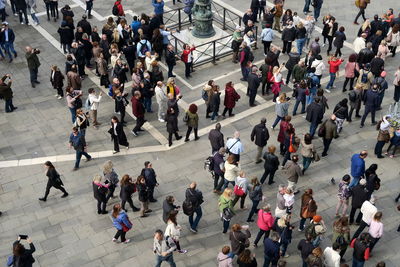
(209, 163)
(250, 56)
(352, 96)
(115, 10)
(143, 48)
(187, 207)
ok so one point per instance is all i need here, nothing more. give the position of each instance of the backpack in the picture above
(115, 10)
(209, 163)
(352, 96)
(78, 103)
(88, 104)
(187, 207)
(204, 95)
(143, 48)
(250, 56)
(341, 241)
(310, 230)
(364, 77)
(227, 214)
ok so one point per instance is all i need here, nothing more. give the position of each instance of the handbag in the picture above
(186, 117)
(316, 156)
(246, 243)
(126, 228)
(291, 146)
(238, 191)
(305, 211)
(322, 130)
(227, 214)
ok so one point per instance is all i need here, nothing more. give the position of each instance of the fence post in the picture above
(176, 45)
(224, 20)
(179, 20)
(255, 46)
(214, 56)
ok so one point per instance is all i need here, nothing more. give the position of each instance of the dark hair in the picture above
(308, 191)
(49, 164)
(320, 92)
(381, 263)
(373, 167)
(335, 246)
(91, 90)
(346, 178)
(365, 237)
(341, 29)
(303, 84)
(169, 199)
(353, 57)
(172, 217)
(18, 249)
(295, 158)
(344, 102)
(288, 118)
(245, 256)
(74, 129)
(228, 84)
(115, 118)
(307, 139)
(146, 163)
(218, 126)
(158, 231)
(193, 108)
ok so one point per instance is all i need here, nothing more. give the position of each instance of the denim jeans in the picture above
(199, 213)
(357, 263)
(317, 11)
(278, 118)
(73, 114)
(354, 181)
(306, 162)
(226, 183)
(296, 105)
(313, 93)
(268, 261)
(169, 259)
(79, 155)
(225, 225)
(8, 46)
(307, 6)
(147, 104)
(33, 74)
(300, 45)
(253, 209)
(313, 128)
(33, 15)
(9, 105)
(214, 114)
(332, 79)
(89, 6)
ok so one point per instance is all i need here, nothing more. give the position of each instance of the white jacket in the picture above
(319, 66)
(332, 257)
(161, 97)
(173, 231)
(358, 44)
(368, 211)
(231, 171)
(94, 101)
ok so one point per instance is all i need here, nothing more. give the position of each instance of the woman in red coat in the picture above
(231, 96)
(281, 136)
(187, 58)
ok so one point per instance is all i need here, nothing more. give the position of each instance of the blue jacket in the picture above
(135, 25)
(139, 47)
(271, 250)
(357, 166)
(122, 218)
(158, 7)
(267, 35)
(395, 140)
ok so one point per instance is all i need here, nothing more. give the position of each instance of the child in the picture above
(289, 200)
(334, 64)
(224, 258)
(343, 195)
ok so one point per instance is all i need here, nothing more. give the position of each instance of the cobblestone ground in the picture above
(68, 232)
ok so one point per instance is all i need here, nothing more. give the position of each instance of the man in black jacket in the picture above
(129, 52)
(6, 93)
(85, 25)
(78, 142)
(315, 114)
(170, 58)
(377, 66)
(365, 55)
(216, 138)
(151, 179)
(196, 197)
(260, 136)
(253, 84)
(359, 195)
(288, 36)
(371, 102)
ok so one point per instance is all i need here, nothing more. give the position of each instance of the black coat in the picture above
(301, 33)
(120, 72)
(340, 37)
(365, 56)
(326, 29)
(143, 192)
(11, 36)
(273, 58)
(359, 195)
(170, 58)
(79, 54)
(215, 101)
(127, 191)
(20, 4)
(130, 53)
(150, 176)
(172, 123)
(377, 65)
(289, 34)
(216, 139)
(342, 112)
(86, 27)
(26, 259)
(195, 196)
(120, 133)
(54, 177)
(271, 161)
(66, 35)
(99, 192)
(260, 135)
(57, 80)
(253, 83)
(167, 209)
(294, 58)
(371, 99)
(315, 113)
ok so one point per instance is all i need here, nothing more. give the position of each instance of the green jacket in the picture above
(338, 232)
(5, 89)
(33, 60)
(225, 203)
(193, 120)
(299, 72)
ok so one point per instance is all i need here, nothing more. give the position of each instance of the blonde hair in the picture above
(383, 42)
(170, 80)
(115, 36)
(275, 69)
(97, 179)
(108, 166)
(282, 98)
(227, 193)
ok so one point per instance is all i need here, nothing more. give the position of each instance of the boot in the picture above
(64, 195)
(43, 199)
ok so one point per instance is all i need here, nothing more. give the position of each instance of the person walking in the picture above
(215, 103)
(271, 250)
(238, 238)
(256, 195)
(300, 93)
(340, 240)
(351, 71)
(231, 171)
(317, 8)
(235, 146)
(74, 102)
(138, 112)
(330, 133)
(32, 7)
(293, 172)
(218, 162)
(341, 111)
(120, 104)
(172, 125)
(163, 248)
(33, 63)
(225, 205)
(151, 179)
(240, 189)
(169, 207)
(195, 197)
(121, 222)
(54, 181)
(253, 81)
(315, 258)
(230, 99)
(100, 193)
(284, 125)
(118, 134)
(368, 210)
(315, 114)
(307, 151)
(371, 101)
(361, 249)
(21, 8)
(224, 257)
(359, 196)
(128, 187)
(81, 121)
(161, 99)
(375, 230)
(56, 79)
(7, 93)
(362, 5)
(216, 138)
(288, 36)
(344, 194)
(271, 165)
(306, 247)
(94, 102)
(267, 36)
(78, 142)
(383, 136)
(308, 208)
(281, 109)
(265, 222)
(8, 37)
(143, 195)
(358, 167)
(334, 64)
(260, 136)
(173, 230)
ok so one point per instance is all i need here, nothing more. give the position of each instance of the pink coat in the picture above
(383, 50)
(349, 69)
(265, 220)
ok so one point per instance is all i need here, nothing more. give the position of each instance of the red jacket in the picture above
(121, 12)
(231, 96)
(185, 54)
(334, 65)
(265, 220)
(137, 108)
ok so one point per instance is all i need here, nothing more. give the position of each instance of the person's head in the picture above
(114, 119)
(289, 191)
(341, 29)
(308, 191)
(231, 159)
(317, 218)
(365, 238)
(227, 194)
(116, 210)
(363, 154)
(225, 250)
(75, 130)
(255, 182)
(316, 39)
(282, 188)
(307, 139)
(267, 208)
(137, 94)
(18, 249)
(218, 126)
(159, 235)
(236, 227)
(344, 102)
(336, 246)
(5, 24)
(126, 179)
(346, 178)
(222, 151)
(108, 167)
(288, 118)
(193, 185)
(272, 149)
(317, 252)
(97, 179)
(170, 199)
(381, 263)
(172, 217)
(275, 237)
(295, 158)
(147, 164)
(378, 216)
(28, 49)
(49, 165)
(342, 221)
(254, 69)
(369, 46)
(245, 256)
(140, 180)
(281, 263)
(373, 167)
(282, 97)
(236, 134)
(353, 57)
(263, 120)
(79, 111)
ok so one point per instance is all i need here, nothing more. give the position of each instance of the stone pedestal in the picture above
(203, 16)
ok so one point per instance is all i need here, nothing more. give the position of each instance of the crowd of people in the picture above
(137, 49)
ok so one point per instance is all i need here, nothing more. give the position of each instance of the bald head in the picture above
(236, 134)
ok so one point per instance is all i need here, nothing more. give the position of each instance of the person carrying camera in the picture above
(6, 92)
(22, 256)
(33, 64)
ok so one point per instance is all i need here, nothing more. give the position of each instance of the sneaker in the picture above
(59, 97)
(56, 95)
(115, 240)
(148, 211)
(134, 133)
(75, 169)
(300, 230)
(286, 255)
(64, 195)
(115, 152)
(182, 251)
(161, 120)
(89, 159)
(193, 230)
(127, 241)
(327, 90)
(22, 23)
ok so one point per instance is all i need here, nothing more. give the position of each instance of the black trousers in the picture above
(242, 199)
(129, 200)
(346, 81)
(367, 110)
(117, 142)
(111, 189)
(23, 12)
(360, 229)
(189, 130)
(229, 111)
(361, 12)
(330, 40)
(81, 69)
(101, 205)
(170, 137)
(267, 46)
(122, 113)
(139, 123)
(50, 185)
(120, 233)
(327, 143)
(151, 193)
(188, 67)
(218, 185)
(267, 172)
(289, 73)
(252, 98)
(352, 213)
(338, 52)
(378, 148)
(351, 113)
(287, 46)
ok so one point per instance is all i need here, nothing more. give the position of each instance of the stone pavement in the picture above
(68, 232)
